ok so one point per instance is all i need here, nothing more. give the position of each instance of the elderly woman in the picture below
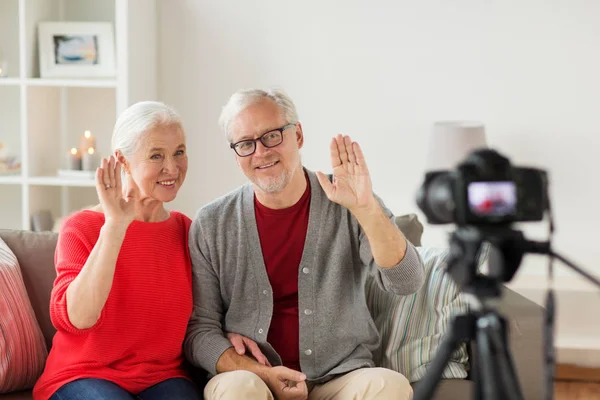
(123, 292)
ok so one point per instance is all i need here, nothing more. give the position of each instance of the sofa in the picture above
(35, 254)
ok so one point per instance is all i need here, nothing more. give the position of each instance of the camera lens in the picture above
(436, 199)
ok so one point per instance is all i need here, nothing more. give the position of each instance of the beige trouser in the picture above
(361, 384)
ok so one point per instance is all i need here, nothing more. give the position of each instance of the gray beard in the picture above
(275, 185)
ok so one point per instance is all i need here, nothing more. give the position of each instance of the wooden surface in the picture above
(573, 390)
(569, 372)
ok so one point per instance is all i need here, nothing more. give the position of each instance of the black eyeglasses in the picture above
(245, 148)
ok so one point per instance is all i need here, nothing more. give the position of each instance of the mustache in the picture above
(263, 162)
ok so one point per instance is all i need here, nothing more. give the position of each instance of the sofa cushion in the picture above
(412, 327)
(411, 227)
(22, 348)
(24, 395)
(35, 253)
(453, 389)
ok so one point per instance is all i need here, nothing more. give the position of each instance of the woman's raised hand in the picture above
(116, 208)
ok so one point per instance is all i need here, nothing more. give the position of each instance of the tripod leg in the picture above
(488, 382)
(462, 329)
(506, 367)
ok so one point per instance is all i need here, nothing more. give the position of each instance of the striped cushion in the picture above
(22, 347)
(413, 326)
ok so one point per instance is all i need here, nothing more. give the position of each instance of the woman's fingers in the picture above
(99, 181)
(105, 180)
(111, 172)
(118, 184)
(238, 343)
(256, 353)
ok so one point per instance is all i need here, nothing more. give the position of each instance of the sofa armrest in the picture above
(525, 319)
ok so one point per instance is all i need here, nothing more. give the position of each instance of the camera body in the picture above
(485, 189)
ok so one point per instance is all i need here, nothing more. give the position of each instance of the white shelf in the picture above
(47, 181)
(11, 180)
(10, 81)
(41, 119)
(83, 83)
(60, 181)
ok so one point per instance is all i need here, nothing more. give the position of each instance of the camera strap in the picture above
(549, 323)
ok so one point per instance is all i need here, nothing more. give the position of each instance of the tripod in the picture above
(493, 369)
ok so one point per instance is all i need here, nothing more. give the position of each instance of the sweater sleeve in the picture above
(72, 251)
(204, 343)
(404, 278)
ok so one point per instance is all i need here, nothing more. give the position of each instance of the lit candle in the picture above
(90, 160)
(87, 141)
(74, 159)
(3, 69)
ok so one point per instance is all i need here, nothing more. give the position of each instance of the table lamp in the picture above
(451, 142)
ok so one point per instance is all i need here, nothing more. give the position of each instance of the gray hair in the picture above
(247, 97)
(138, 119)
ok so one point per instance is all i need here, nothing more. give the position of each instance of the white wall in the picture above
(383, 71)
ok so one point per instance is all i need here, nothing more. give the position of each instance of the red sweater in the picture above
(137, 342)
(282, 234)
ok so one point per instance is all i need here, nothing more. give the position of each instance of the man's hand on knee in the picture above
(287, 384)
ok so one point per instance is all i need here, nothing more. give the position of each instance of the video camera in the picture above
(484, 195)
(485, 189)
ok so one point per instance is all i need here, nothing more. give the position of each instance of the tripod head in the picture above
(505, 246)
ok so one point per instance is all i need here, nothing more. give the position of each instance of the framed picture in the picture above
(76, 50)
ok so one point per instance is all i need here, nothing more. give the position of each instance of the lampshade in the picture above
(451, 141)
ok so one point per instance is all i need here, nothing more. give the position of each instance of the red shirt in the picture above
(282, 234)
(137, 342)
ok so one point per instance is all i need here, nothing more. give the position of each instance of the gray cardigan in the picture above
(232, 292)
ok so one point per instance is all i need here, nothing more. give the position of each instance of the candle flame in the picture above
(73, 151)
(91, 150)
(87, 134)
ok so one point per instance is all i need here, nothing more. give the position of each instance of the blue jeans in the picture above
(100, 389)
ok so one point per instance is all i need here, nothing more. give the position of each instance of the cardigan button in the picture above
(308, 352)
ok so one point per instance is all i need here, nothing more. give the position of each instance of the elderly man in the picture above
(283, 261)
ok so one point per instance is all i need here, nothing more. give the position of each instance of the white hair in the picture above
(138, 119)
(242, 99)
